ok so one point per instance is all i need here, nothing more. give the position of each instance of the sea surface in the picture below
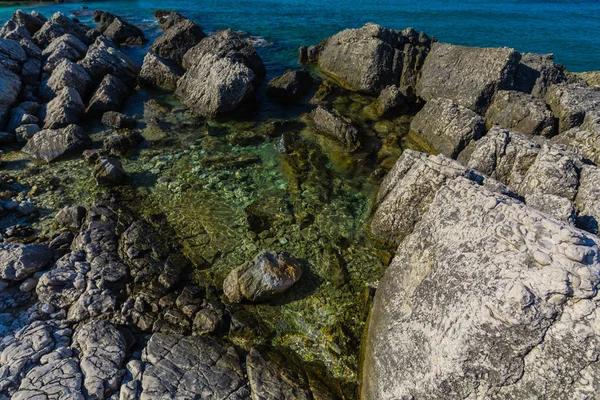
(567, 28)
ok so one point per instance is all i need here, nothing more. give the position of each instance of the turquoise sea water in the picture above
(567, 28)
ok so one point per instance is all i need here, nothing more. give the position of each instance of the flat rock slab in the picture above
(469, 76)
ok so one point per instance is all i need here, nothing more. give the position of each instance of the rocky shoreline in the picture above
(122, 278)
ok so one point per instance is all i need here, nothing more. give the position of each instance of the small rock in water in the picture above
(264, 277)
(109, 172)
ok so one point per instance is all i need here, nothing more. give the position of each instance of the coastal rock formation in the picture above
(66, 74)
(390, 98)
(109, 95)
(58, 25)
(63, 110)
(161, 72)
(268, 275)
(177, 40)
(223, 73)
(585, 138)
(335, 125)
(537, 72)
(48, 145)
(371, 58)
(485, 297)
(520, 112)
(290, 86)
(10, 85)
(447, 126)
(18, 262)
(103, 58)
(117, 29)
(66, 47)
(571, 103)
(469, 76)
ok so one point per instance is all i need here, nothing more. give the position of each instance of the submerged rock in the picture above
(161, 72)
(514, 285)
(337, 126)
(268, 275)
(447, 126)
(109, 171)
(469, 76)
(117, 120)
(290, 86)
(48, 144)
(520, 112)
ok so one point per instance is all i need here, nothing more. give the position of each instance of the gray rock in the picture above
(116, 120)
(66, 74)
(571, 102)
(161, 72)
(58, 25)
(31, 22)
(584, 139)
(485, 298)
(104, 58)
(67, 47)
(191, 367)
(45, 381)
(102, 349)
(19, 262)
(592, 78)
(70, 217)
(109, 171)
(553, 205)
(65, 282)
(272, 376)
(177, 40)
(109, 96)
(48, 144)
(26, 132)
(390, 98)
(469, 76)
(371, 58)
(268, 275)
(65, 109)
(121, 31)
(447, 126)
(31, 71)
(520, 112)
(587, 199)
(290, 86)
(12, 50)
(335, 125)
(537, 72)
(10, 86)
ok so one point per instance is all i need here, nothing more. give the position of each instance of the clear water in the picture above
(567, 28)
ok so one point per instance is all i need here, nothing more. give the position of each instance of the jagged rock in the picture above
(371, 58)
(31, 22)
(31, 70)
(570, 103)
(469, 76)
(409, 188)
(337, 126)
(209, 320)
(102, 355)
(290, 86)
(537, 72)
(122, 144)
(48, 144)
(11, 50)
(268, 275)
(167, 19)
(592, 78)
(109, 96)
(520, 112)
(65, 109)
(177, 40)
(44, 381)
(389, 99)
(67, 47)
(587, 199)
(485, 298)
(19, 114)
(109, 171)
(19, 262)
(70, 217)
(447, 126)
(26, 132)
(66, 74)
(10, 86)
(121, 31)
(104, 58)
(553, 205)
(585, 139)
(272, 376)
(116, 120)
(309, 54)
(190, 367)
(161, 72)
(58, 25)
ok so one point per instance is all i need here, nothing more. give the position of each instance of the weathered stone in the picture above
(65, 109)
(18, 113)
(66, 74)
(58, 25)
(19, 262)
(161, 72)
(290, 86)
(177, 40)
(553, 205)
(31, 70)
(116, 120)
(121, 31)
(12, 50)
(268, 275)
(520, 112)
(584, 139)
(10, 85)
(103, 58)
(48, 144)
(537, 72)
(109, 171)
(447, 126)
(70, 217)
(592, 78)
(485, 298)
(571, 103)
(336, 126)
(45, 381)
(67, 47)
(109, 96)
(26, 132)
(587, 199)
(390, 98)
(469, 76)
(32, 22)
